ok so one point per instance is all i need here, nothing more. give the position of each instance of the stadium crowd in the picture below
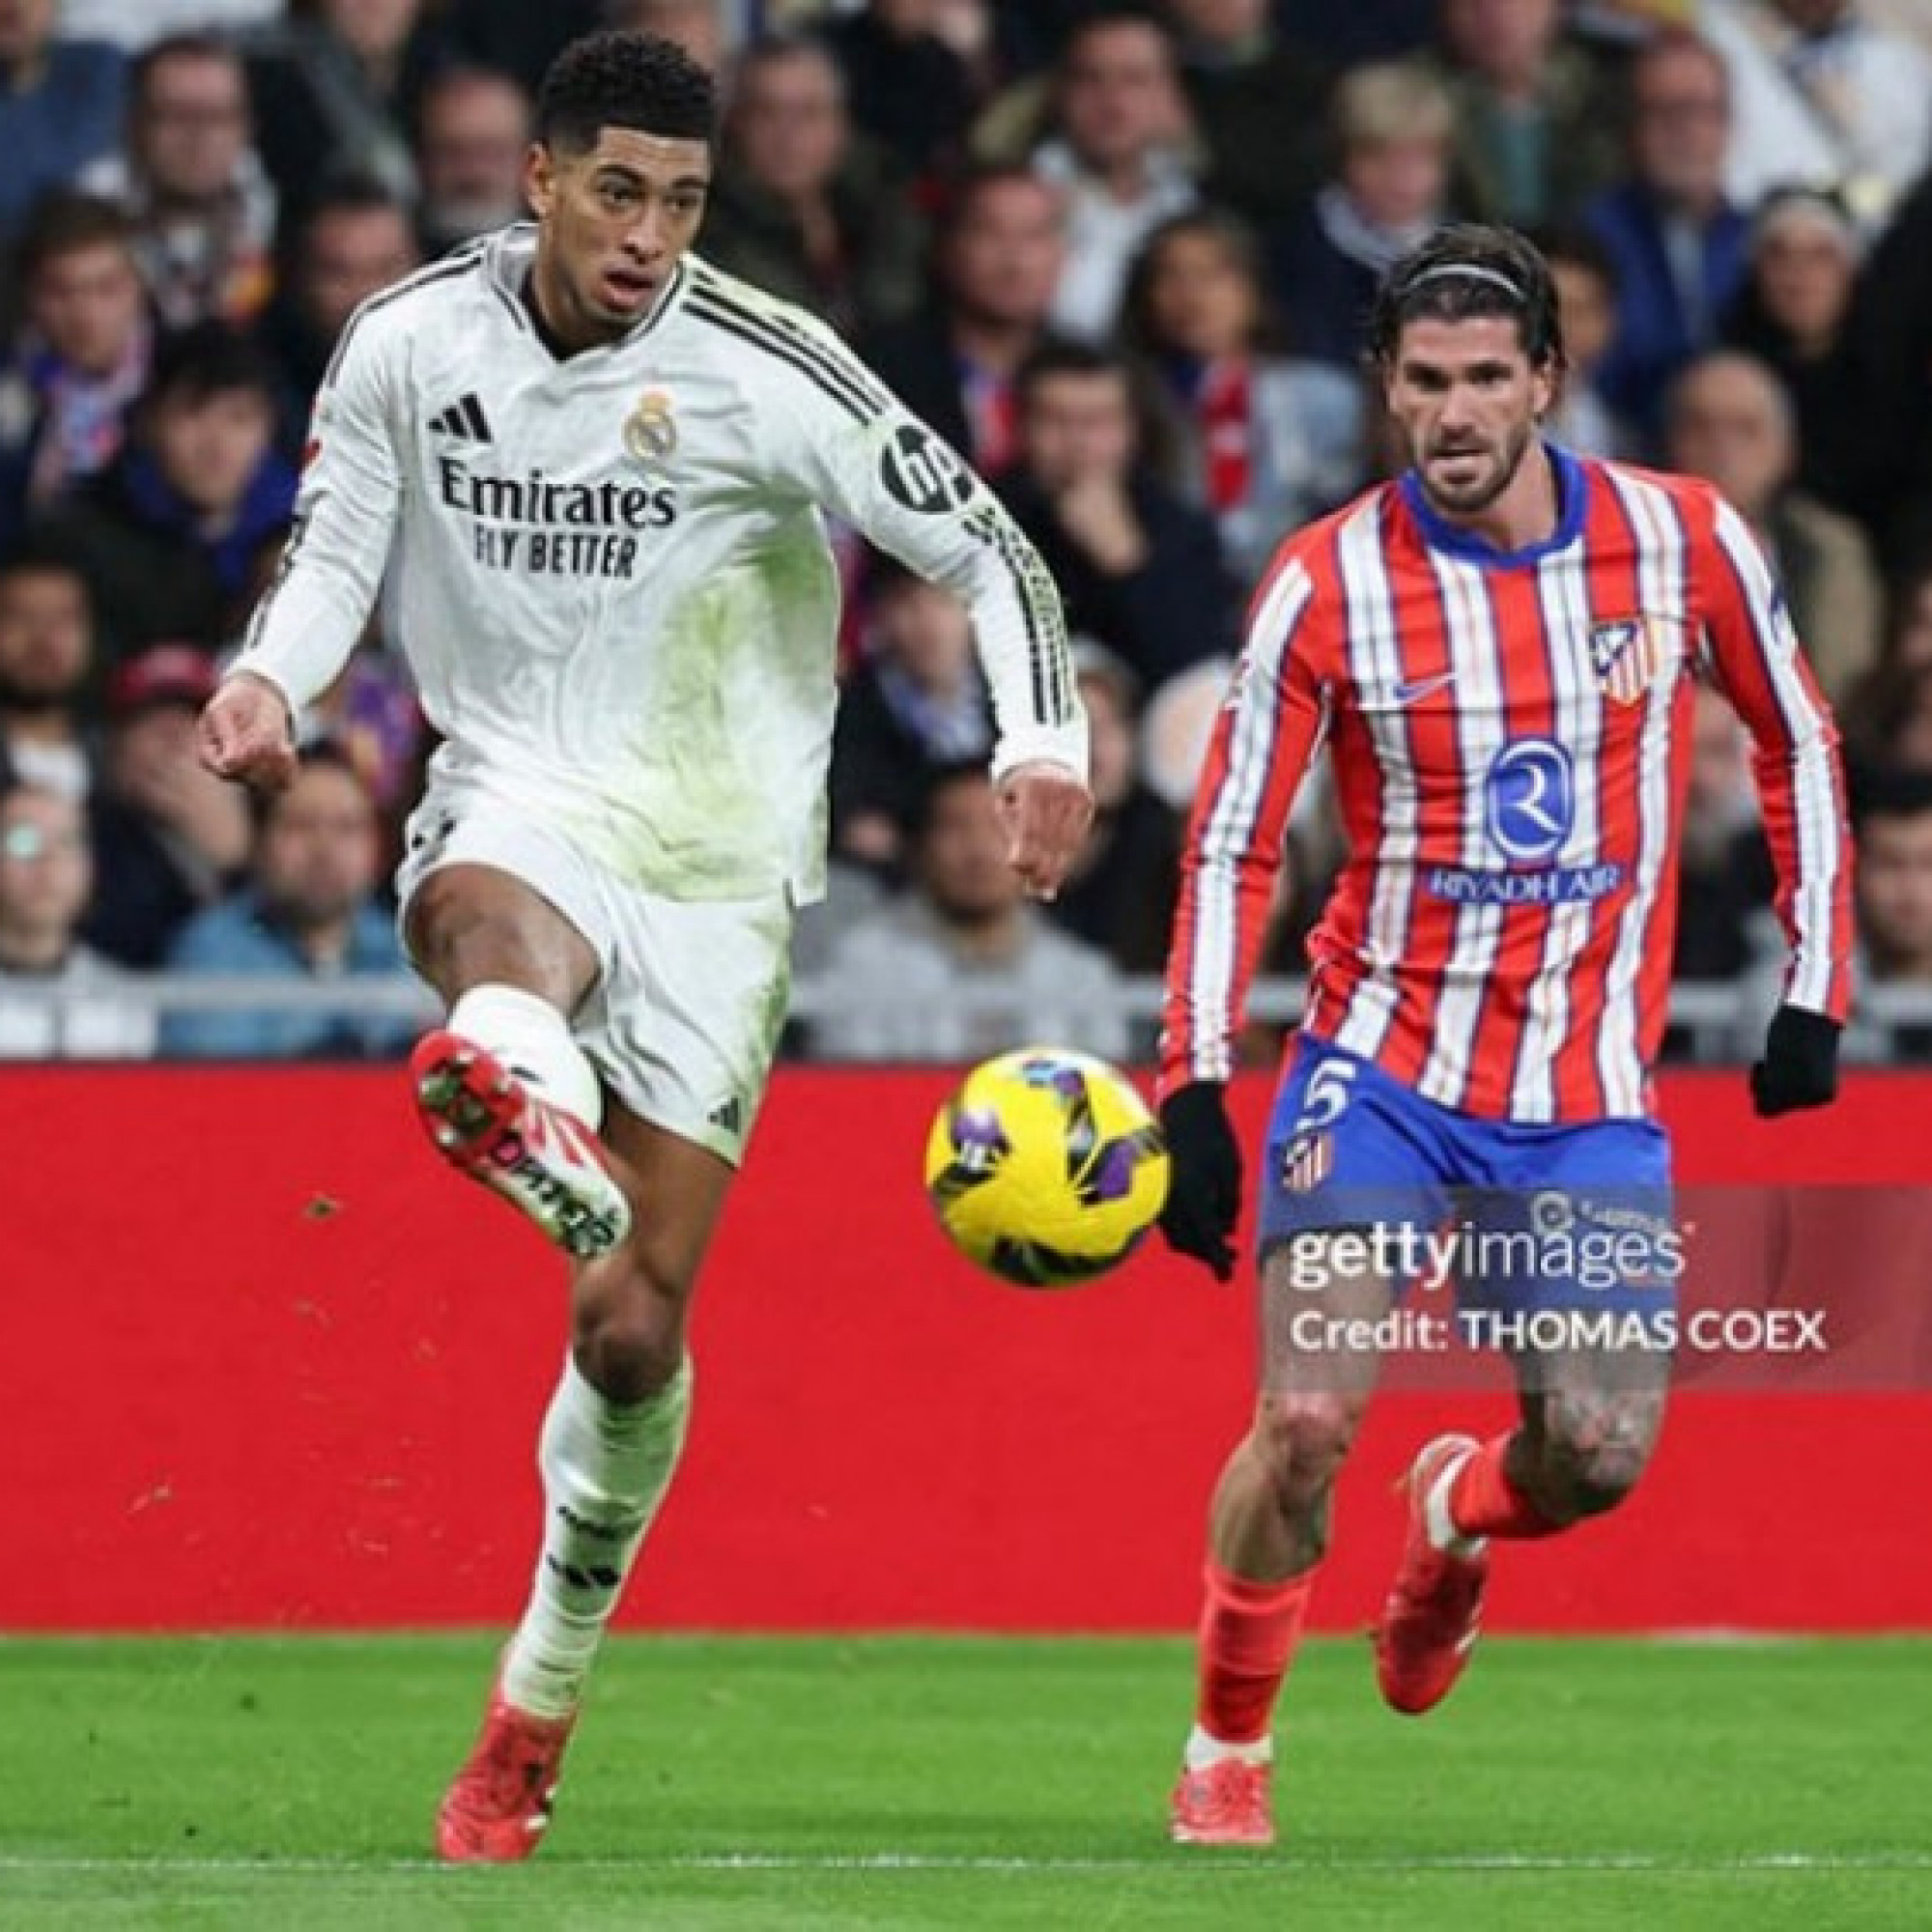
(1119, 256)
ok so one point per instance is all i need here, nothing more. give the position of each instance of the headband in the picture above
(1475, 271)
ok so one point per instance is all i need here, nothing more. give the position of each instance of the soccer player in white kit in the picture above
(595, 467)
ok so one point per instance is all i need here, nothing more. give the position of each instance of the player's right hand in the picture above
(246, 734)
(1204, 1189)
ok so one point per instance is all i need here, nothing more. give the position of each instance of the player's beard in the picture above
(1473, 498)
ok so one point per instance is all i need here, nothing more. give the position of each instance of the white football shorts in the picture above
(691, 997)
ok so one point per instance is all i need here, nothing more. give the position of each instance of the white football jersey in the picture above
(610, 573)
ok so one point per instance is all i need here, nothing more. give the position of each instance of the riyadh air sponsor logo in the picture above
(1546, 885)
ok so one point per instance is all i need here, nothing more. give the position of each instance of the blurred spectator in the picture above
(1117, 146)
(470, 156)
(1728, 421)
(1265, 441)
(1392, 129)
(82, 359)
(997, 259)
(166, 535)
(47, 659)
(1890, 721)
(1794, 314)
(60, 105)
(1120, 893)
(513, 37)
(1259, 104)
(1139, 570)
(1727, 881)
(1678, 243)
(965, 965)
(908, 87)
(1893, 878)
(338, 88)
(1907, 633)
(1535, 112)
(357, 240)
(700, 27)
(169, 837)
(189, 180)
(310, 913)
(1892, 324)
(914, 705)
(134, 24)
(46, 876)
(1822, 96)
(1354, 34)
(1586, 300)
(801, 205)
(373, 716)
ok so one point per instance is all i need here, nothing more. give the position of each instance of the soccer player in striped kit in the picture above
(1498, 649)
(603, 468)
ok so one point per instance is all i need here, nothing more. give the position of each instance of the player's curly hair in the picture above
(624, 80)
(1469, 269)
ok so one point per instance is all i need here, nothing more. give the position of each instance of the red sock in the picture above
(1483, 1501)
(1247, 1635)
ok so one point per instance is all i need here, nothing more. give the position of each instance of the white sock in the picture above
(1204, 1749)
(606, 1467)
(1440, 1524)
(532, 1040)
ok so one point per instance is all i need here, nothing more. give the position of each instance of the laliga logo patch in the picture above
(1625, 654)
(650, 434)
(919, 471)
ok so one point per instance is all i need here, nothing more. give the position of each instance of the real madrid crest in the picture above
(650, 431)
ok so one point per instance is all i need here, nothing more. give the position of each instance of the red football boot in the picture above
(1225, 1803)
(545, 1161)
(1429, 1622)
(499, 1806)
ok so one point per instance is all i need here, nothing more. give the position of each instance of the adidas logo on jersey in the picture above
(462, 421)
(729, 1116)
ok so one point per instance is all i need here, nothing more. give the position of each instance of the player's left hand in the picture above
(1799, 1068)
(1046, 811)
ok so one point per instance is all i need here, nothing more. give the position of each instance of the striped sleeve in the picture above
(1754, 652)
(1270, 727)
(851, 445)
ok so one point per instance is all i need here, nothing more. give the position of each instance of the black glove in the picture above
(1799, 1068)
(1204, 1190)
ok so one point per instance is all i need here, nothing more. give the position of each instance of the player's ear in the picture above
(539, 178)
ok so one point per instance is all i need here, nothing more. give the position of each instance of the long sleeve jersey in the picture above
(1509, 734)
(612, 577)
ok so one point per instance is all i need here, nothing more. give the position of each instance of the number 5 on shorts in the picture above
(1327, 1096)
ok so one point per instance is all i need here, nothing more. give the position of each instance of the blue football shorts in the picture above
(1510, 1215)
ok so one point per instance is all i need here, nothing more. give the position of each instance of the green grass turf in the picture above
(941, 1782)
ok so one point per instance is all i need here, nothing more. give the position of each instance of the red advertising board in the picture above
(264, 1363)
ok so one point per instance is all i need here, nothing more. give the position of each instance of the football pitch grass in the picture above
(795, 1783)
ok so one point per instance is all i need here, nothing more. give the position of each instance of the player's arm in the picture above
(862, 454)
(1754, 654)
(309, 619)
(1263, 742)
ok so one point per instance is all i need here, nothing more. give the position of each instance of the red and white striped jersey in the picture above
(1509, 735)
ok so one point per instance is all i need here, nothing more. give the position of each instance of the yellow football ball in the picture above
(1045, 1167)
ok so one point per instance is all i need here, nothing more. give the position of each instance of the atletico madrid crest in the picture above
(1626, 653)
(1306, 1164)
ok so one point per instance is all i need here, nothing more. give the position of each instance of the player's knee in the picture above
(1593, 1477)
(629, 1333)
(1302, 1440)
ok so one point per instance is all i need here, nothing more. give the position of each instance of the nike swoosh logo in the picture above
(1422, 687)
